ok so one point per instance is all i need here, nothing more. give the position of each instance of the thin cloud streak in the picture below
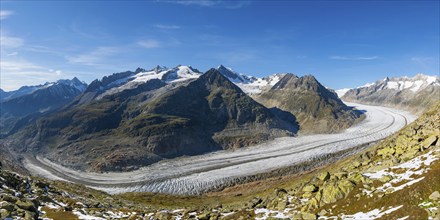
(353, 58)
(149, 44)
(168, 27)
(5, 14)
(16, 73)
(10, 42)
(210, 3)
(93, 58)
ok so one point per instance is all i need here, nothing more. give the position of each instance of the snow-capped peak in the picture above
(168, 75)
(341, 92)
(250, 84)
(414, 84)
(25, 90)
(232, 75)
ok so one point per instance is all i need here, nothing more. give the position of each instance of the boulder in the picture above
(254, 202)
(387, 151)
(356, 178)
(310, 188)
(313, 203)
(341, 175)
(4, 214)
(307, 195)
(6, 205)
(318, 195)
(324, 176)
(385, 178)
(429, 141)
(306, 215)
(30, 215)
(163, 216)
(204, 216)
(399, 150)
(435, 196)
(331, 193)
(356, 164)
(322, 212)
(346, 186)
(403, 141)
(281, 205)
(26, 205)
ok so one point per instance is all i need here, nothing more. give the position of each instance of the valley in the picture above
(214, 171)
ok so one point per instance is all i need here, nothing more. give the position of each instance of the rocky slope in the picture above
(414, 94)
(317, 109)
(145, 123)
(20, 107)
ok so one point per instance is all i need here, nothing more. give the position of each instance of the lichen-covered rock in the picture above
(435, 196)
(204, 216)
(324, 176)
(310, 188)
(385, 178)
(254, 202)
(6, 205)
(282, 204)
(331, 193)
(4, 213)
(346, 186)
(429, 141)
(387, 151)
(306, 215)
(357, 178)
(26, 205)
(313, 203)
(341, 175)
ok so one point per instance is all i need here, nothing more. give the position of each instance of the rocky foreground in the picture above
(398, 178)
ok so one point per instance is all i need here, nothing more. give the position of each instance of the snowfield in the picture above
(198, 174)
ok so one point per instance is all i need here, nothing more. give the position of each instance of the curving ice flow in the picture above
(197, 174)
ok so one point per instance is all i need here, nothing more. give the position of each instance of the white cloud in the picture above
(206, 3)
(163, 26)
(353, 58)
(93, 58)
(149, 43)
(5, 14)
(12, 54)
(10, 42)
(19, 72)
(211, 3)
(422, 59)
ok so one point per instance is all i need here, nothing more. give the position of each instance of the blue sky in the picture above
(342, 43)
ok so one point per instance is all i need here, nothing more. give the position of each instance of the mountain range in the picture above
(24, 105)
(414, 94)
(135, 118)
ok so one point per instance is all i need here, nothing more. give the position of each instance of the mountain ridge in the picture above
(318, 110)
(408, 93)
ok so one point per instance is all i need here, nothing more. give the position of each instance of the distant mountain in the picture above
(24, 105)
(250, 84)
(144, 123)
(414, 94)
(317, 109)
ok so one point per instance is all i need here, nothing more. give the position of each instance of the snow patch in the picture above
(373, 214)
(412, 168)
(83, 216)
